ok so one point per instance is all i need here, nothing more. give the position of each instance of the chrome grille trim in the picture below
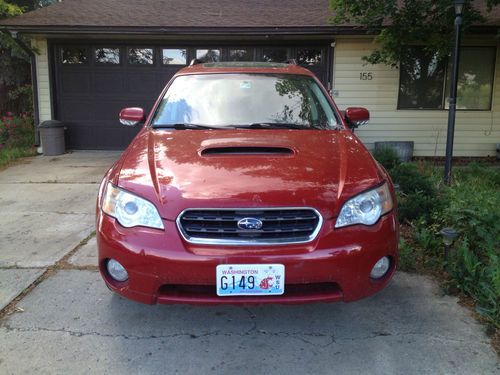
(199, 239)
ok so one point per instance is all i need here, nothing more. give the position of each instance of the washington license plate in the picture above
(250, 279)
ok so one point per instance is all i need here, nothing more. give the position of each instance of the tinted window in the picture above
(422, 80)
(243, 54)
(74, 55)
(274, 55)
(174, 56)
(425, 81)
(242, 99)
(140, 56)
(208, 55)
(475, 80)
(107, 56)
(309, 57)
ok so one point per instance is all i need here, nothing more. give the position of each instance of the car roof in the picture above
(244, 67)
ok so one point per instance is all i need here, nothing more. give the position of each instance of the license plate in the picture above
(250, 279)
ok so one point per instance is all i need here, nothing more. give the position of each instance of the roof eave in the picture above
(303, 30)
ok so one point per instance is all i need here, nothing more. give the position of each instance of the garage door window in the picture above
(107, 56)
(140, 56)
(174, 56)
(208, 55)
(278, 55)
(309, 57)
(242, 54)
(73, 55)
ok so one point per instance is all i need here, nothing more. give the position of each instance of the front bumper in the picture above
(163, 268)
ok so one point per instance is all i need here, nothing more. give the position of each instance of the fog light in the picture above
(116, 270)
(380, 268)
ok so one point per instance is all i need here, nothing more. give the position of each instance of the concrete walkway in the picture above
(69, 322)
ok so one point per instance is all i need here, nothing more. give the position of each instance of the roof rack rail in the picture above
(290, 61)
(195, 62)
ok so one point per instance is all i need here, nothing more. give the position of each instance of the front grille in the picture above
(220, 226)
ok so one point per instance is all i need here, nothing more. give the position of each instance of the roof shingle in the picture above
(185, 14)
(178, 13)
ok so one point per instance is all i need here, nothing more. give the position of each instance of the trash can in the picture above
(52, 137)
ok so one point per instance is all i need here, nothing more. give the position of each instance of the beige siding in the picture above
(476, 132)
(42, 67)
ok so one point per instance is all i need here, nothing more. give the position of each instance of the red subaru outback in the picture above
(245, 185)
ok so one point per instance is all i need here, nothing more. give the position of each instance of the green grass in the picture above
(11, 154)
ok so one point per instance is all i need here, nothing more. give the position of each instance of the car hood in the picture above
(179, 169)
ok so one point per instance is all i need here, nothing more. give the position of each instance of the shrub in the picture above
(411, 180)
(16, 131)
(387, 157)
(470, 206)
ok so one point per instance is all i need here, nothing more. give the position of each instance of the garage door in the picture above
(94, 82)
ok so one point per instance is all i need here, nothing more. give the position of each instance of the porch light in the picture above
(459, 7)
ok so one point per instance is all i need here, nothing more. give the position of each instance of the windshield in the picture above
(245, 100)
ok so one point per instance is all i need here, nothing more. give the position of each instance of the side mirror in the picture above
(356, 116)
(131, 116)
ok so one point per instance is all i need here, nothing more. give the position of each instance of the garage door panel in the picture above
(140, 83)
(107, 111)
(76, 82)
(76, 111)
(108, 83)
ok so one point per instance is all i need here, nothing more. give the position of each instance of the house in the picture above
(98, 56)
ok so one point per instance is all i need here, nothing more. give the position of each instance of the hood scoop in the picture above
(246, 150)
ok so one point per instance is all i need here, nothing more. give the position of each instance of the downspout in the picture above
(34, 81)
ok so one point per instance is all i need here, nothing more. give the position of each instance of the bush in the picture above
(387, 157)
(470, 206)
(416, 193)
(16, 131)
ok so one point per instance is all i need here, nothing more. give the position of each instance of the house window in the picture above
(109, 56)
(475, 78)
(425, 80)
(73, 55)
(308, 57)
(208, 55)
(140, 56)
(242, 54)
(174, 56)
(278, 55)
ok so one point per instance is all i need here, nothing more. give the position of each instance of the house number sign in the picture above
(366, 76)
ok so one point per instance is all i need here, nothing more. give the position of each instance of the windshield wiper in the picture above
(185, 125)
(271, 125)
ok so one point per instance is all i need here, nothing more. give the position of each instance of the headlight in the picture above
(129, 209)
(365, 208)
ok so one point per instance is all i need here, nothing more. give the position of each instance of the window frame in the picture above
(85, 47)
(173, 48)
(100, 64)
(447, 71)
(153, 48)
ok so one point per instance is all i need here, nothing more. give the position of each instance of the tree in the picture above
(399, 24)
(13, 60)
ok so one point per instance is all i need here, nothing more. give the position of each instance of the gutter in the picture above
(34, 81)
(187, 30)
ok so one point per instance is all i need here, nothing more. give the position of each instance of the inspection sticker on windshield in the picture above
(250, 279)
(246, 85)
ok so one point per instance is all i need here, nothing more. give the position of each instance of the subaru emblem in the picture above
(250, 223)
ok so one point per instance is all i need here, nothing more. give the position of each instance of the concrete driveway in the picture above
(58, 317)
